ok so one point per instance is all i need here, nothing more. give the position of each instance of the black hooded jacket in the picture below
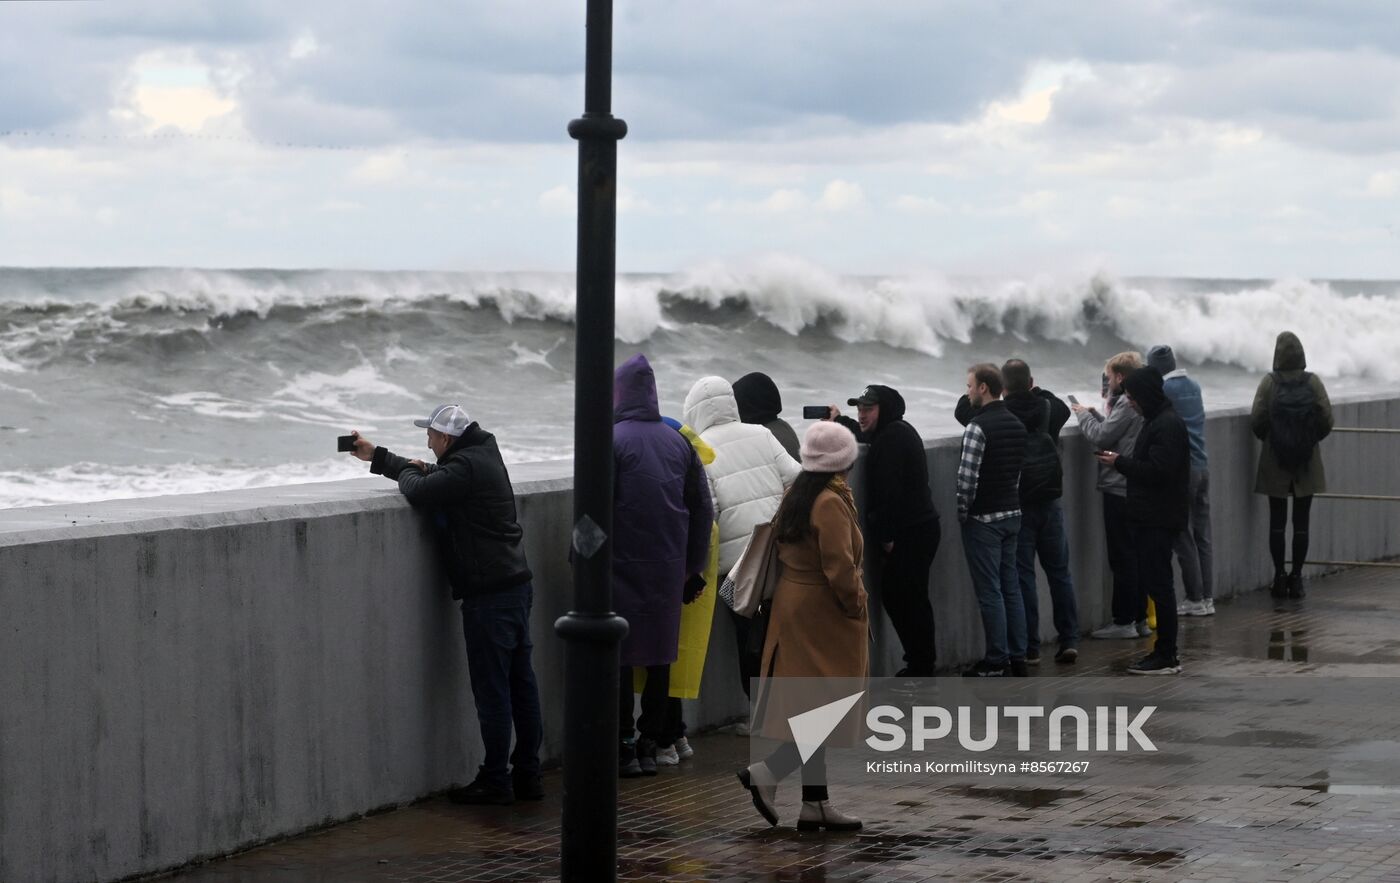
(760, 403)
(1159, 468)
(469, 497)
(897, 496)
(1039, 411)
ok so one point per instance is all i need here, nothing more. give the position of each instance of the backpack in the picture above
(1294, 424)
(1042, 476)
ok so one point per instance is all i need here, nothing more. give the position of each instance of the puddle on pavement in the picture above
(1030, 798)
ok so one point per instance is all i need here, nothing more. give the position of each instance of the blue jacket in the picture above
(1185, 396)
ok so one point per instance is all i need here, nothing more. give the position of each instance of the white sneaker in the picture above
(741, 728)
(1115, 631)
(683, 749)
(1191, 608)
(1144, 630)
(667, 756)
(1210, 607)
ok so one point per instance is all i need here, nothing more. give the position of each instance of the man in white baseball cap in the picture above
(469, 496)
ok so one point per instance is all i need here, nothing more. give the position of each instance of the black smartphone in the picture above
(345, 444)
(816, 412)
(1072, 399)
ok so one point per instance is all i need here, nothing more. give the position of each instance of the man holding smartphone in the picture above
(899, 515)
(469, 496)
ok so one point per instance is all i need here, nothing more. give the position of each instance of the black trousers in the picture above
(1153, 548)
(660, 720)
(904, 594)
(749, 663)
(1278, 521)
(1129, 600)
(782, 762)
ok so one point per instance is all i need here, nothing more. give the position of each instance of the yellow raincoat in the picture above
(698, 615)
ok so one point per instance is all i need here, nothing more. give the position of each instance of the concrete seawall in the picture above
(184, 676)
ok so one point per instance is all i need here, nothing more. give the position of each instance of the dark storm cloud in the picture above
(1320, 74)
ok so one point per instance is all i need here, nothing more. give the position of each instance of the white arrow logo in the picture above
(811, 728)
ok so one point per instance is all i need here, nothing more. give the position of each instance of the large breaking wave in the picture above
(1349, 328)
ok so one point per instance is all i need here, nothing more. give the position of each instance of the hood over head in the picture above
(634, 391)
(1162, 358)
(1145, 386)
(1288, 353)
(888, 398)
(758, 398)
(710, 403)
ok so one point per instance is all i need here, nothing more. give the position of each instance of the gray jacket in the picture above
(1116, 432)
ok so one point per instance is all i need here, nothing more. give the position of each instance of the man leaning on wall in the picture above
(469, 497)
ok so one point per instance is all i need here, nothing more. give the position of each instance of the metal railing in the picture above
(1371, 498)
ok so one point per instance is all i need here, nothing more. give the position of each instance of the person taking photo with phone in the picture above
(468, 496)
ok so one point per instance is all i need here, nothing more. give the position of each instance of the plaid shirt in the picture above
(974, 445)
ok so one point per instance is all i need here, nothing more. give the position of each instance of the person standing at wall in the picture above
(748, 476)
(989, 509)
(819, 625)
(760, 403)
(1193, 545)
(1291, 416)
(900, 516)
(471, 503)
(1117, 430)
(662, 522)
(1159, 474)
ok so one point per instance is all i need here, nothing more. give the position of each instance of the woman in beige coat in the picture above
(1294, 401)
(818, 627)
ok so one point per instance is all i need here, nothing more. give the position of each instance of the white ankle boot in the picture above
(819, 815)
(764, 790)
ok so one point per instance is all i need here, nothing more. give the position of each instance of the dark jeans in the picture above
(1129, 601)
(749, 663)
(787, 758)
(991, 557)
(904, 593)
(1153, 546)
(497, 629)
(660, 720)
(1193, 546)
(1278, 520)
(1043, 535)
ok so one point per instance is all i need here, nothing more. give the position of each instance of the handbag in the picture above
(755, 575)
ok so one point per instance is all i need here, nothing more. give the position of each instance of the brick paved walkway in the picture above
(694, 823)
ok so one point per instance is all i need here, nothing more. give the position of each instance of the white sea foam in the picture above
(90, 482)
(1346, 333)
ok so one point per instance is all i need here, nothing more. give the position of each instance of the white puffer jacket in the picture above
(750, 471)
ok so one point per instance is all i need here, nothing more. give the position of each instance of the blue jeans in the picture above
(497, 629)
(991, 557)
(1043, 534)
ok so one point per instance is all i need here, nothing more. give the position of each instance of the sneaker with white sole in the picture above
(1144, 630)
(668, 756)
(1152, 664)
(1115, 631)
(684, 749)
(1210, 606)
(1191, 608)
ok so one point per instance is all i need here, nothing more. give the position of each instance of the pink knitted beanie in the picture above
(828, 447)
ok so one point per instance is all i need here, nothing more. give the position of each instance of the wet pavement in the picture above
(694, 823)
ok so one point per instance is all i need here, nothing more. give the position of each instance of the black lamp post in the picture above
(591, 630)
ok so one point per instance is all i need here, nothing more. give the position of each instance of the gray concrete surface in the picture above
(185, 676)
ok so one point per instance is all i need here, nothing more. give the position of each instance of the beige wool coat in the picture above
(819, 626)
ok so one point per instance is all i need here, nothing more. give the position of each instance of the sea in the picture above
(134, 382)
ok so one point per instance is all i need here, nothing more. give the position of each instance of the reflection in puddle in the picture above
(1289, 645)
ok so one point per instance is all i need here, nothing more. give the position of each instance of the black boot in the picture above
(1295, 586)
(1280, 587)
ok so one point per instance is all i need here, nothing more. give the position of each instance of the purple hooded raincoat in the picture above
(661, 517)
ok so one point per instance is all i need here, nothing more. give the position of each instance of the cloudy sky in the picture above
(1244, 138)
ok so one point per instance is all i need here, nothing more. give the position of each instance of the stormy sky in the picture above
(1246, 138)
